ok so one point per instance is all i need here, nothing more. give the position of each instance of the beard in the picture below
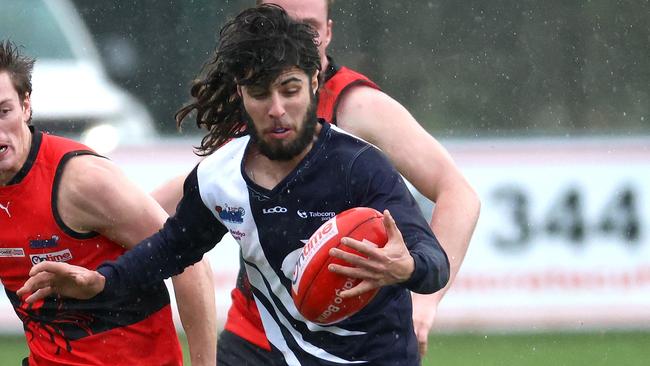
(286, 150)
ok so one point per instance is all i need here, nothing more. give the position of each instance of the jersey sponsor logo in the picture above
(324, 216)
(11, 252)
(60, 256)
(44, 243)
(5, 208)
(273, 210)
(231, 214)
(238, 235)
(320, 237)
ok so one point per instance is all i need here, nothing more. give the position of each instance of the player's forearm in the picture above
(194, 291)
(453, 221)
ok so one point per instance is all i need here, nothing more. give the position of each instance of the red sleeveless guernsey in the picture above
(243, 317)
(135, 330)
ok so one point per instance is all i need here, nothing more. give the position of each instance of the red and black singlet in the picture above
(131, 330)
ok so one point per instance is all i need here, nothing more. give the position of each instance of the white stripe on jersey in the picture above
(221, 184)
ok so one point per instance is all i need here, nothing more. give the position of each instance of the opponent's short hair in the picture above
(328, 3)
(254, 49)
(18, 66)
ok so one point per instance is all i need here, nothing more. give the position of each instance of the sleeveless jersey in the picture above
(130, 330)
(243, 317)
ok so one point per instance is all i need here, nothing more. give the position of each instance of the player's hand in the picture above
(383, 266)
(48, 278)
(425, 307)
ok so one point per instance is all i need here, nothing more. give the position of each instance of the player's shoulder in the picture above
(352, 148)
(345, 142)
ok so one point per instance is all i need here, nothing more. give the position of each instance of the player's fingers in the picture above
(353, 272)
(422, 347)
(47, 266)
(361, 288)
(37, 281)
(356, 260)
(39, 295)
(390, 225)
(366, 248)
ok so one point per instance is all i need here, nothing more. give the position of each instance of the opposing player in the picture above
(64, 203)
(265, 72)
(353, 102)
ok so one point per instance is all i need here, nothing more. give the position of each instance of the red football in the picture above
(315, 289)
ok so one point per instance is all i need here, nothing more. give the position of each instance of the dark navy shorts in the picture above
(233, 350)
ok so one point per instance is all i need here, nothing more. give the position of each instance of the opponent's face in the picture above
(15, 138)
(282, 117)
(312, 12)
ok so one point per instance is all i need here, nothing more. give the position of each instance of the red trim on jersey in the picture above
(331, 92)
(244, 320)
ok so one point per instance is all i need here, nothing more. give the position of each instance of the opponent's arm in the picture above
(423, 161)
(168, 195)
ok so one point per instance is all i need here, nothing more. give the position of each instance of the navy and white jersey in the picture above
(271, 227)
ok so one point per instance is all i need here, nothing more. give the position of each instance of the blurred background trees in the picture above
(464, 68)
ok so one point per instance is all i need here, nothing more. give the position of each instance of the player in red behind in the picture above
(62, 202)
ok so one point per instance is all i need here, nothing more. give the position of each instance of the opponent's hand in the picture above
(425, 307)
(48, 278)
(383, 266)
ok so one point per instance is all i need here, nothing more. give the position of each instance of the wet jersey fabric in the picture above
(243, 318)
(131, 330)
(271, 227)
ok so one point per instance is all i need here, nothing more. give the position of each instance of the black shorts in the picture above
(232, 350)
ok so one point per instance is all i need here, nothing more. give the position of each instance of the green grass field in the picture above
(557, 349)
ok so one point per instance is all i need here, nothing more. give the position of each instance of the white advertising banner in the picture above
(562, 241)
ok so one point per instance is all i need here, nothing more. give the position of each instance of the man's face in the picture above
(312, 12)
(282, 117)
(15, 138)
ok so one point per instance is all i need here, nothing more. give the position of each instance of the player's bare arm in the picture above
(96, 196)
(423, 161)
(168, 195)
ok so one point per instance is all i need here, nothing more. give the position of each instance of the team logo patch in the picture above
(231, 214)
(44, 243)
(5, 208)
(60, 256)
(273, 210)
(11, 252)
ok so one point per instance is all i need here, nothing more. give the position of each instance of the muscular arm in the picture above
(96, 196)
(168, 195)
(423, 161)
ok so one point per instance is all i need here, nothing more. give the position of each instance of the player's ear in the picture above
(27, 108)
(239, 90)
(328, 34)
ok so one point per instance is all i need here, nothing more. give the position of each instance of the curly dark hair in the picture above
(254, 49)
(18, 66)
